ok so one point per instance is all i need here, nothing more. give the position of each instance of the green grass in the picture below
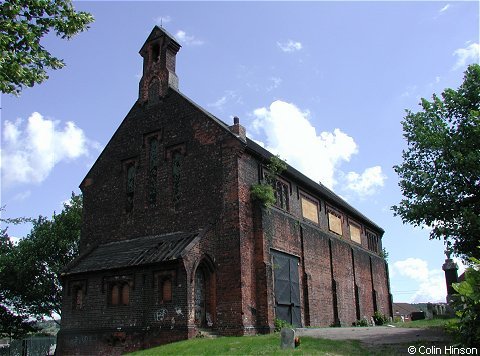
(425, 324)
(257, 345)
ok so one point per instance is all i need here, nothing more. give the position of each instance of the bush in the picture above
(263, 193)
(380, 318)
(467, 306)
(280, 324)
(361, 322)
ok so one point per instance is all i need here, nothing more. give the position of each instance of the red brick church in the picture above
(173, 242)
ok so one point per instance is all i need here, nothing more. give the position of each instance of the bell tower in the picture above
(159, 55)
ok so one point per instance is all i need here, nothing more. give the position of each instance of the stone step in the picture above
(207, 333)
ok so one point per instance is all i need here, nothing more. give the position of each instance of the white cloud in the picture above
(470, 54)
(290, 134)
(228, 96)
(160, 20)
(22, 195)
(30, 152)
(182, 37)
(275, 83)
(431, 282)
(365, 184)
(290, 46)
(445, 8)
(411, 90)
(14, 240)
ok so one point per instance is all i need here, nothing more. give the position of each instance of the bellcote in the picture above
(159, 55)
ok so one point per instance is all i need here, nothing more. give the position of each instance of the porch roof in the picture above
(133, 252)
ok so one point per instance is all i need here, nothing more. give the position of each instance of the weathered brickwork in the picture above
(172, 241)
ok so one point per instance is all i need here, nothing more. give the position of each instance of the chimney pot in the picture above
(238, 129)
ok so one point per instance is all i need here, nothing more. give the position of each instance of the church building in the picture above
(173, 242)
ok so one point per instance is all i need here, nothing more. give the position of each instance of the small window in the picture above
(130, 186)
(334, 221)
(372, 242)
(152, 170)
(78, 298)
(166, 290)
(177, 159)
(125, 299)
(119, 293)
(164, 285)
(309, 209)
(155, 52)
(282, 194)
(115, 296)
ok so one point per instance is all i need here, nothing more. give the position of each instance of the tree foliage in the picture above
(30, 270)
(467, 305)
(13, 325)
(264, 191)
(440, 173)
(23, 23)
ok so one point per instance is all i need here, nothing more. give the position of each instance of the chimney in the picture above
(238, 129)
(158, 52)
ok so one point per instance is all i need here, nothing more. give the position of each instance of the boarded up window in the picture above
(119, 293)
(125, 294)
(309, 209)
(167, 290)
(335, 222)
(355, 233)
(115, 296)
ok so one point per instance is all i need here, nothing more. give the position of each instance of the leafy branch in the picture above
(264, 191)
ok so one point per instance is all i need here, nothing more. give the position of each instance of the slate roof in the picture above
(404, 308)
(315, 187)
(134, 252)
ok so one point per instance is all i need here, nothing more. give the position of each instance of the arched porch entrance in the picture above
(204, 295)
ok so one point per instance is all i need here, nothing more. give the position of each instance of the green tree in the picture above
(440, 173)
(14, 326)
(23, 23)
(30, 270)
(467, 305)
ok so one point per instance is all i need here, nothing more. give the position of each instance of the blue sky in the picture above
(323, 84)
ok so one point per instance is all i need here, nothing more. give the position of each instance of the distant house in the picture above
(404, 310)
(173, 241)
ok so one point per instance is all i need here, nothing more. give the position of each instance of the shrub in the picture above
(380, 318)
(361, 322)
(467, 305)
(264, 194)
(280, 324)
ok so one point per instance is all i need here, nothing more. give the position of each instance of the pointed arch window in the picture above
(130, 186)
(177, 159)
(152, 170)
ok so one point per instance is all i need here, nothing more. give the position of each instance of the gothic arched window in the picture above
(130, 187)
(152, 170)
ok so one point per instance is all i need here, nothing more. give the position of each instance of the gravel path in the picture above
(378, 335)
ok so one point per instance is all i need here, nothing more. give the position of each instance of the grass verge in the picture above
(426, 324)
(257, 345)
